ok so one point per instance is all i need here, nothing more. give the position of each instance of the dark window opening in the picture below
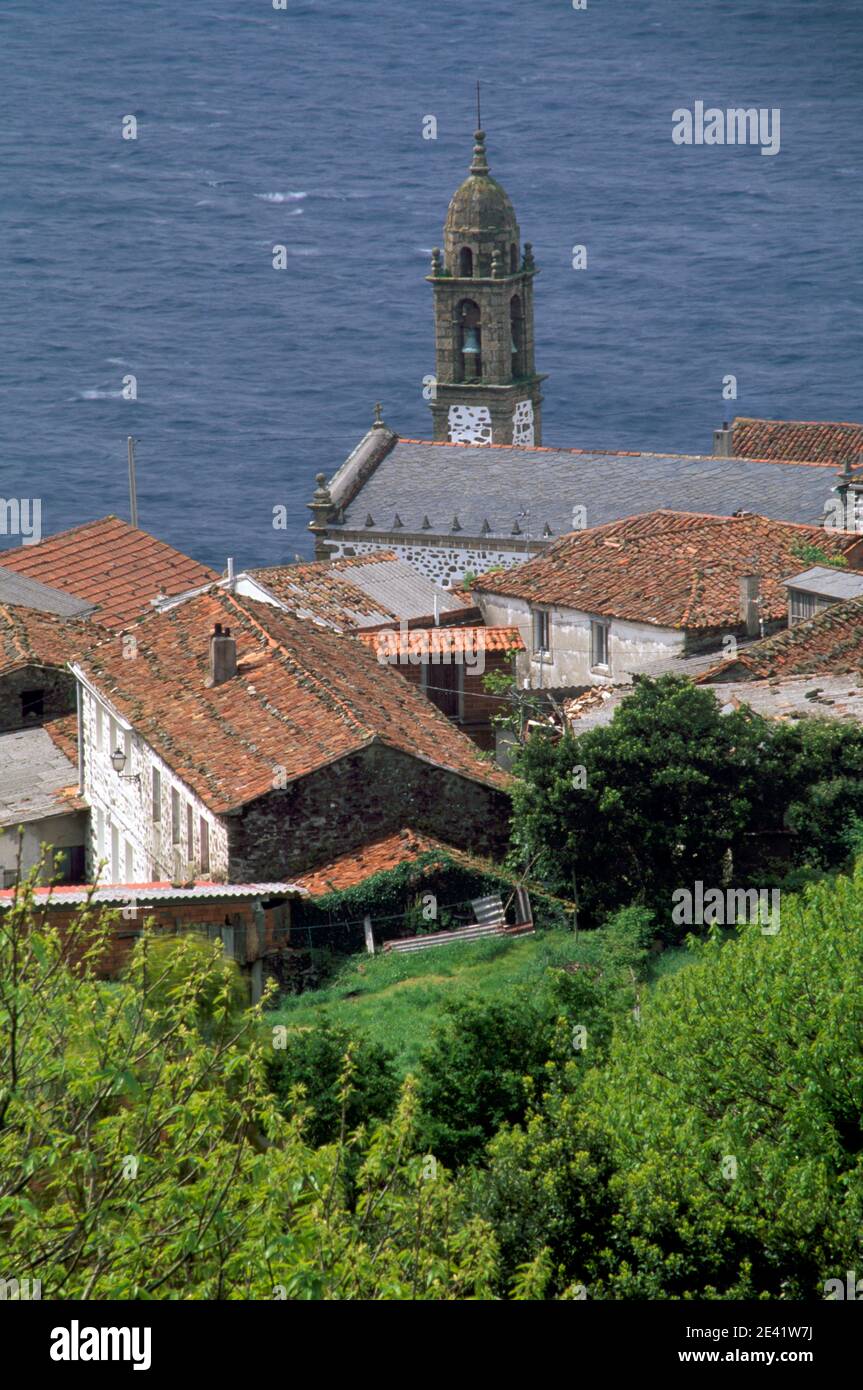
(513, 259)
(465, 263)
(443, 687)
(516, 321)
(69, 864)
(32, 705)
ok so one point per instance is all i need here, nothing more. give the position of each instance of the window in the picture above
(113, 735)
(130, 863)
(100, 833)
(32, 705)
(69, 864)
(10, 878)
(115, 854)
(190, 831)
(541, 641)
(800, 606)
(470, 341)
(175, 816)
(157, 794)
(205, 846)
(127, 748)
(465, 263)
(513, 259)
(599, 643)
(99, 734)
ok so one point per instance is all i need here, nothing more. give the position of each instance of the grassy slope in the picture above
(396, 998)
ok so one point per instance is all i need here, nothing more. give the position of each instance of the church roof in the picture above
(492, 489)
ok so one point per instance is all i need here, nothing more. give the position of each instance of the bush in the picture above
(314, 1059)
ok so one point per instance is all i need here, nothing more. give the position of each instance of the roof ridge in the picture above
(617, 453)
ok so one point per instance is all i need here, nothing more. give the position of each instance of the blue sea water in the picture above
(258, 126)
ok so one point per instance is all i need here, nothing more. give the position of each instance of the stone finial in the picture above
(456, 524)
(485, 529)
(321, 508)
(370, 521)
(516, 529)
(529, 262)
(397, 522)
(426, 524)
(379, 419)
(546, 530)
(479, 164)
(436, 261)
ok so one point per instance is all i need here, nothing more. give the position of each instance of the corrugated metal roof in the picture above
(33, 775)
(20, 589)
(140, 894)
(832, 583)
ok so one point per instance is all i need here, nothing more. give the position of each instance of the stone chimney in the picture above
(723, 444)
(750, 586)
(223, 656)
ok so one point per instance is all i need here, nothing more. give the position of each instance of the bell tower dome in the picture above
(487, 389)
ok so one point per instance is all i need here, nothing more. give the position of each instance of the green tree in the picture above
(313, 1058)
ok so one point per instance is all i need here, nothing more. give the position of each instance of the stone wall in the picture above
(445, 560)
(344, 805)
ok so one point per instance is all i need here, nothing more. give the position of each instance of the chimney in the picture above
(723, 447)
(750, 585)
(223, 656)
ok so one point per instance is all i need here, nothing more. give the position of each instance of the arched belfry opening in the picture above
(470, 340)
(513, 259)
(516, 326)
(465, 263)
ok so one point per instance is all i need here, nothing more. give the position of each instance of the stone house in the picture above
(615, 600)
(231, 740)
(40, 804)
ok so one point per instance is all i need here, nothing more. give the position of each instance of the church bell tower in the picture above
(487, 389)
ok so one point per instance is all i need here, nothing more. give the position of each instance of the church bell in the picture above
(471, 340)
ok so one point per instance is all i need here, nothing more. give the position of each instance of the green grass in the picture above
(396, 998)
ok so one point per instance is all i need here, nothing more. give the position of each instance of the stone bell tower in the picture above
(487, 390)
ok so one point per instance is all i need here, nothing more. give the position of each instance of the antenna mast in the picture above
(133, 489)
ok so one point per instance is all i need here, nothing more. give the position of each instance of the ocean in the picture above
(152, 258)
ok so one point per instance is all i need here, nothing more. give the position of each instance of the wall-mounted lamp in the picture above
(118, 762)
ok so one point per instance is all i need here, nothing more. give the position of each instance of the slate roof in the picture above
(110, 564)
(364, 591)
(828, 583)
(534, 487)
(30, 638)
(20, 589)
(38, 778)
(672, 569)
(831, 643)
(302, 698)
(819, 441)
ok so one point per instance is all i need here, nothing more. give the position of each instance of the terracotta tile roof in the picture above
(32, 638)
(111, 564)
(387, 853)
(830, 644)
(810, 441)
(436, 642)
(673, 569)
(63, 732)
(302, 698)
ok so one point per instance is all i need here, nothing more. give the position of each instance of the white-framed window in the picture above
(130, 863)
(113, 735)
(599, 643)
(190, 831)
(205, 846)
(99, 733)
(157, 795)
(100, 833)
(115, 854)
(540, 631)
(127, 748)
(175, 816)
